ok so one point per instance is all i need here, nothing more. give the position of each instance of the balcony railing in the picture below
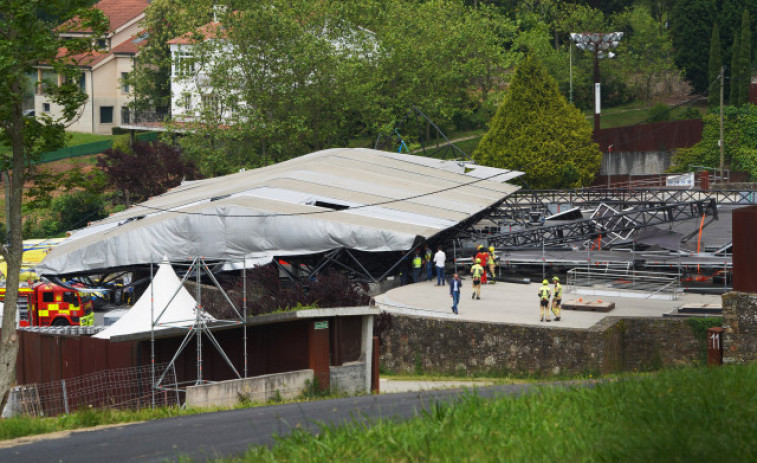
(141, 116)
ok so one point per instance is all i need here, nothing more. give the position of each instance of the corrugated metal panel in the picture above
(744, 249)
(658, 136)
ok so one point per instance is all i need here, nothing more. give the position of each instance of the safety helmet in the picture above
(478, 261)
(555, 279)
(491, 248)
(545, 282)
(480, 246)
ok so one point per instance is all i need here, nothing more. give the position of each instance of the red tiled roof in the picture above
(206, 32)
(128, 47)
(118, 12)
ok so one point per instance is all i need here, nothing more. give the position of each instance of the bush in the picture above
(659, 113)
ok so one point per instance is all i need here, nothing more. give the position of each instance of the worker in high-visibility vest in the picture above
(428, 259)
(544, 294)
(417, 263)
(483, 257)
(88, 320)
(492, 263)
(477, 270)
(556, 298)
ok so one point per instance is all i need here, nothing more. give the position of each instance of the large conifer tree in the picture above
(536, 130)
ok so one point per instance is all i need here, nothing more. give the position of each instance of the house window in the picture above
(188, 102)
(183, 64)
(102, 44)
(45, 107)
(83, 82)
(125, 82)
(106, 114)
(48, 79)
(211, 104)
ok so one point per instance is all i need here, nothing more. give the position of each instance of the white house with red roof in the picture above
(103, 71)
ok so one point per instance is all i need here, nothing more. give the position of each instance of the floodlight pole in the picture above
(597, 94)
(599, 44)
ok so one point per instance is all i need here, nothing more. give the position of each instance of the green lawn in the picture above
(682, 415)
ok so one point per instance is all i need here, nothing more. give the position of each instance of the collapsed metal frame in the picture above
(200, 324)
(588, 229)
(625, 197)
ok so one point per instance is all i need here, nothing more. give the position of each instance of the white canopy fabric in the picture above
(353, 198)
(139, 319)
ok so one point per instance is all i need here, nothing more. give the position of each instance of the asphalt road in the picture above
(227, 433)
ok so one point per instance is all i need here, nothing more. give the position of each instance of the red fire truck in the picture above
(48, 304)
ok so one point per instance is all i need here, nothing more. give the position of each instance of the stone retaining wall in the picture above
(740, 327)
(615, 344)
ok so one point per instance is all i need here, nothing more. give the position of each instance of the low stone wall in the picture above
(740, 327)
(257, 389)
(414, 344)
(348, 378)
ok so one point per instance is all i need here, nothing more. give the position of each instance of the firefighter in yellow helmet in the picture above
(544, 294)
(492, 263)
(477, 270)
(556, 298)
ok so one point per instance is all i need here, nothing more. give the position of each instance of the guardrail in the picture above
(626, 283)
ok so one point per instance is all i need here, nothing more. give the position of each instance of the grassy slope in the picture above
(75, 138)
(683, 415)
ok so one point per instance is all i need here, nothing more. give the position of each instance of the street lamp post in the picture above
(599, 44)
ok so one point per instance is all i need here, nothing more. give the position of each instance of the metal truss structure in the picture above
(603, 224)
(201, 326)
(624, 197)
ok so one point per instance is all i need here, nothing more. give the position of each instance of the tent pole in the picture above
(244, 311)
(198, 308)
(152, 338)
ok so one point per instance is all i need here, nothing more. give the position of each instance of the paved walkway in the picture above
(519, 304)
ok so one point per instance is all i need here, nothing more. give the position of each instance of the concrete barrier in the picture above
(257, 389)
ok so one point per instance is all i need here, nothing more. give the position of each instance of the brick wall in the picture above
(615, 344)
(740, 327)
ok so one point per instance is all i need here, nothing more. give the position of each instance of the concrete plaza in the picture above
(519, 304)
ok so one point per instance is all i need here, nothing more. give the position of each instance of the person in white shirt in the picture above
(439, 259)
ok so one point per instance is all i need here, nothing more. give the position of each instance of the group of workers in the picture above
(544, 295)
(482, 260)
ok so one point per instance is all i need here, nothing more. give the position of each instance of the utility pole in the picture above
(721, 142)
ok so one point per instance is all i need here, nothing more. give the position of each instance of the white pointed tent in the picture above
(176, 312)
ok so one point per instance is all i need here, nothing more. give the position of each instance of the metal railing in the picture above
(628, 283)
(140, 116)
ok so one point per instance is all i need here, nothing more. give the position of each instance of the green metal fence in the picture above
(88, 148)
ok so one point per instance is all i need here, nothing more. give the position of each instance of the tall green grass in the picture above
(686, 415)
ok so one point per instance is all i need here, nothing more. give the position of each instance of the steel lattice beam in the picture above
(588, 229)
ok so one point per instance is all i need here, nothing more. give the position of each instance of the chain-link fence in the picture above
(122, 389)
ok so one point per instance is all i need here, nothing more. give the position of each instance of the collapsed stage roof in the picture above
(360, 199)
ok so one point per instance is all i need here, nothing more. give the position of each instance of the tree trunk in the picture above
(13, 252)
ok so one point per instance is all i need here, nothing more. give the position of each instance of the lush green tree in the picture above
(164, 20)
(745, 60)
(26, 40)
(644, 56)
(691, 25)
(715, 67)
(735, 70)
(304, 76)
(535, 130)
(740, 147)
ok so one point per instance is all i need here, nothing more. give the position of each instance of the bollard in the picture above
(714, 346)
